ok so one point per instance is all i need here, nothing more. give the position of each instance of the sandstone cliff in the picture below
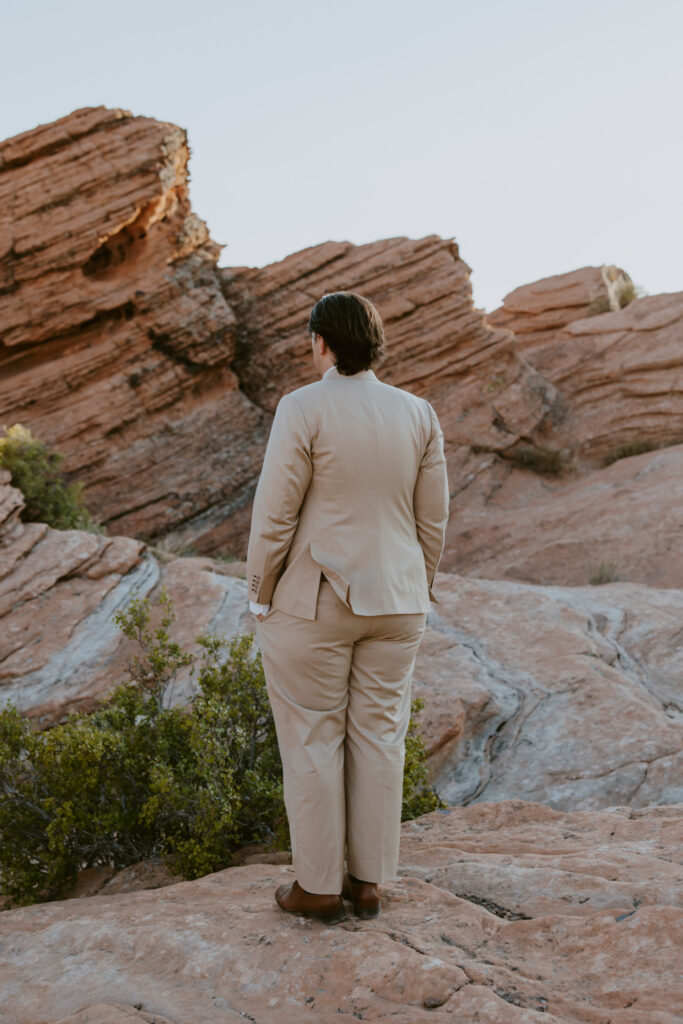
(115, 339)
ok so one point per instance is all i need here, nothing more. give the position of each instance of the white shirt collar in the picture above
(332, 371)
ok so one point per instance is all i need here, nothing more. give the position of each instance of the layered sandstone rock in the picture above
(119, 345)
(60, 648)
(536, 312)
(567, 695)
(622, 375)
(439, 345)
(116, 339)
(125, 347)
(520, 681)
(519, 525)
(505, 912)
(619, 369)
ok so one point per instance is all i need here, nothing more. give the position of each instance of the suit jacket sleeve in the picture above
(430, 500)
(284, 480)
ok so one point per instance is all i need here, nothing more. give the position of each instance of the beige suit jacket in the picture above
(353, 486)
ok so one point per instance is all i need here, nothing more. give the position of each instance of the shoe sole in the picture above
(335, 918)
(365, 913)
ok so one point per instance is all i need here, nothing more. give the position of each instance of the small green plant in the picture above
(419, 796)
(604, 572)
(139, 777)
(541, 460)
(35, 470)
(624, 451)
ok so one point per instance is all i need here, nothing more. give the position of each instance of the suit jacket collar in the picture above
(333, 373)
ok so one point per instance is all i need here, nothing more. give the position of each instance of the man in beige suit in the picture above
(347, 530)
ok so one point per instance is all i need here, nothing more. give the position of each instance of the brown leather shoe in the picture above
(295, 900)
(363, 895)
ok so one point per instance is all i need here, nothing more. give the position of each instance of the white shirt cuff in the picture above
(259, 609)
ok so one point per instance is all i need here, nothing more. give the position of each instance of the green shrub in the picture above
(34, 469)
(605, 572)
(139, 777)
(419, 796)
(537, 458)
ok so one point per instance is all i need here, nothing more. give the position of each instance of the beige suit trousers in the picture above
(340, 691)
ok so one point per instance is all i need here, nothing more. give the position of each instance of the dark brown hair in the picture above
(352, 328)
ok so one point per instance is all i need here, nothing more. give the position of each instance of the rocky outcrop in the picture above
(128, 329)
(622, 375)
(620, 369)
(536, 312)
(127, 349)
(521, 684)
(439, 344)
(520, 681)
(124, 346)
(503, 913)
(60, 649)
(623, 521)
(116, 339)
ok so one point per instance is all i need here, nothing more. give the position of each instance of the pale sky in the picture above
(543, 135)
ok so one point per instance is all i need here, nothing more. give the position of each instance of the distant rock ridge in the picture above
(536, 312)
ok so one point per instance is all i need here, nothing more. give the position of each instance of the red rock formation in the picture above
(119, 344)
(117, 341)
(60, 649)
(498, 665)
(517, 525)
(439, 345)
(622, 376)
(505, 913)
(620, 369)
(536, 312)
(125, 347)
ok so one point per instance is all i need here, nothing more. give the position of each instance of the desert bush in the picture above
(605, 572)
(35, 470)
(140, 777)
(537, 458)
(624, 451)
(419, 796)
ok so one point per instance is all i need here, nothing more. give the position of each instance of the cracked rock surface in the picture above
(568, 695)
(60, 649)
(505, 912)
